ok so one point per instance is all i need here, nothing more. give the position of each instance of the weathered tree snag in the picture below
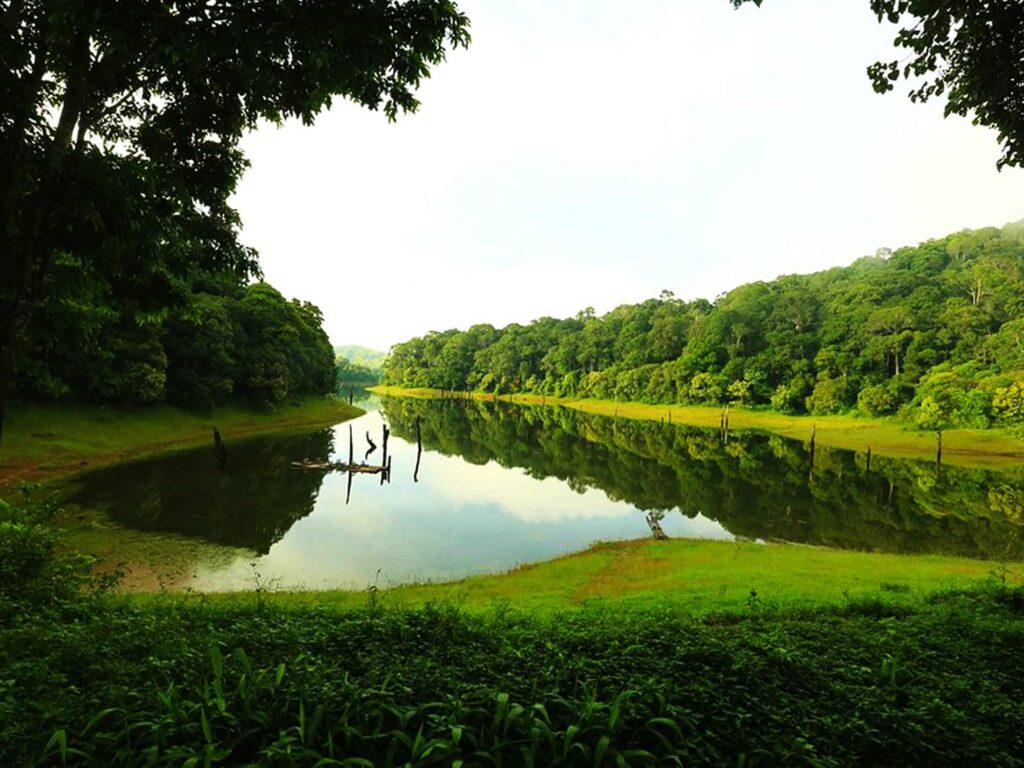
(654, 519)
(385, 459)
(373, 445)
(419, 452)
(220, 450)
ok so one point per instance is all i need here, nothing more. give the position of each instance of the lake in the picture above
(501, 485)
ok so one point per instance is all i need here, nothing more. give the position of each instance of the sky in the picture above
(591, 153)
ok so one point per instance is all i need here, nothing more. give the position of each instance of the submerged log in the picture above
(339, 466)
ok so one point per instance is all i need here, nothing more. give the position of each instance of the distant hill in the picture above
(358, 355)
(358, 365)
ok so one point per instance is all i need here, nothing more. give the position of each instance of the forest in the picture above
(934, 333)
(195, 341)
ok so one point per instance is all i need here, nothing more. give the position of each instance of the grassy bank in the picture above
(693, 576)
(42, 442)
(991, 448)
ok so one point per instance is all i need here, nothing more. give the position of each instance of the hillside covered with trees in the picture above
(358, 365)
(935, 332)
(196, 342)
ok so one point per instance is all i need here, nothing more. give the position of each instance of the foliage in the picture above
(944, 319)
(200, 683)
(32, 571)
(348, 372)
(120, 125)
(218, 338)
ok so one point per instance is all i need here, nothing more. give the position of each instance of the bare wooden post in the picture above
(868, 472)
(385, 459)
(938, 448)
(220, 450)
(350, 446)
(348, 492)
(419, 452)
(388, 473)
(814, 434)
(350, 395)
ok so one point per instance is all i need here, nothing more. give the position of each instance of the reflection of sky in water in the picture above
(459, 519)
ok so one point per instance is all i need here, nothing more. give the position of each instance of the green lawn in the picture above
(41, 442)
(982, 448)
(695, 576)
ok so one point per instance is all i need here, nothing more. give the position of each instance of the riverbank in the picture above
(980, 448)
(45, 441)
(695, 577)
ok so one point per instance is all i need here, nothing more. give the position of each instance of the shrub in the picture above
(877, 400)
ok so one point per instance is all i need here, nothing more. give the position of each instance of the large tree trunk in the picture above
(28, 215)
(5, 378)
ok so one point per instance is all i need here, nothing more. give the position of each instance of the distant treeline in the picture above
(935, 332)
(356, 373)
(194, 342)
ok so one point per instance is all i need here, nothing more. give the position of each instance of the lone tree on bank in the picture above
(120, 122)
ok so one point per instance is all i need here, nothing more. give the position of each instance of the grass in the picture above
(695, 577)
(45, 441)
(980, 448)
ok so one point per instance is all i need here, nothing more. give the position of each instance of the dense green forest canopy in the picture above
(936, 331)
(221, 337)
(120, 130)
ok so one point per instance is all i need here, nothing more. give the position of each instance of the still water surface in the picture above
(501, 485)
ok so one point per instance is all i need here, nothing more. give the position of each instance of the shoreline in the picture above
(975, 448)
(44, 442)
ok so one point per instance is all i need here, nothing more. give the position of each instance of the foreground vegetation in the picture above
(42, 441)
(90, 679)
(932, 333)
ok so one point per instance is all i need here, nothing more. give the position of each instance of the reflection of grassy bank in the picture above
(886, 437)
(698, 577)
(41, 442)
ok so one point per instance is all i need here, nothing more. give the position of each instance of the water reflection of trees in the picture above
(251, 505)
(757, 485)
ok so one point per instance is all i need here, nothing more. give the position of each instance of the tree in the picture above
(120, 122)
(970, 51)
